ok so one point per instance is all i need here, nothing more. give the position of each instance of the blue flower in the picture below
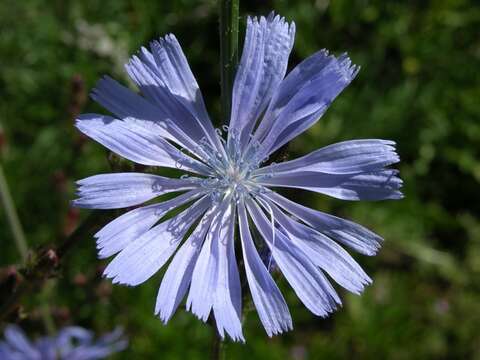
(229, 182)
(71, 343)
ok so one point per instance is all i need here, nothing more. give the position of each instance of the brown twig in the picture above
(44, 263)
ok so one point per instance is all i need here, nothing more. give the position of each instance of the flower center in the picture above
(233, 180)
(231, 176)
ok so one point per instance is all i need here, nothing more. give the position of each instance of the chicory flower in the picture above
(229, 185)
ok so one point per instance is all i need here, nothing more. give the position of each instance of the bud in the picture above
(52, 257)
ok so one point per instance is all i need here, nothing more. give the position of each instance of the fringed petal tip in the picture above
(163, 314)
(102, 253)
(273, 17)
(101, 86)
(284, 324)
(83, 119)
(349, 70)
(168, 39)
(278, 331)
(81, 203)
(343, 64)
(358, 291)
(204, 316)
(274, 20)
(116, 280)
(373, 249)
(237, 338)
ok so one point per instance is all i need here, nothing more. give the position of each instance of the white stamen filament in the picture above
(231, 172)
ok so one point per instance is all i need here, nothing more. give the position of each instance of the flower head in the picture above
(71, 343)
(230, 182)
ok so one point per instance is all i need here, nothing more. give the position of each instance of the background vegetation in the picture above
(419, 85)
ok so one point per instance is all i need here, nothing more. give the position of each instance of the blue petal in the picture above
(134, 142)
(215, 281)
(118, 190)
(46, 346)
(179, 273)
(323, 252)
(346, 232)
(376, 185)
(77, 333)
(308, 282)
(347, 157)
(122, 231)
(175, 72)
(268, 43)
(129, 106)
(114, 338)
(302, 98)
(268, 300)
(88, 353)
(147, 254)
(204, 279)
(165, 78)
(6, 352)
(17, 340)
(96, 350)
(227, 300)
(76, 343)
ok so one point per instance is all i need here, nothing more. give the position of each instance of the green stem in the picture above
(12, 217)
(45, 309)
(218, 346)
(229, 14)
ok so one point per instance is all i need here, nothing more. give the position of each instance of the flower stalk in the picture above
(12, 217)
(229, 14)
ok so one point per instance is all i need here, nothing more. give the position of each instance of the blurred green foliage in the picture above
(419, 85)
